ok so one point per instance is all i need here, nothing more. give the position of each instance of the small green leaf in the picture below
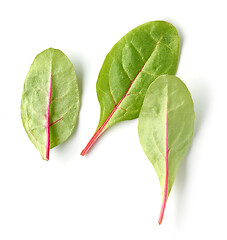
(50, 100)
(166, 124)
(143, 54)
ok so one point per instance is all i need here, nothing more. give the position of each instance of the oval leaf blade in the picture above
(166, 124)
(50, 100)
(143, 54)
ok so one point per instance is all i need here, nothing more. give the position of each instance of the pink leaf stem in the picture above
(47, 121)
(167, 172)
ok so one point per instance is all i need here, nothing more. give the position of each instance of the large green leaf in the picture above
(50, 100)
(166, 124)
(144, 53)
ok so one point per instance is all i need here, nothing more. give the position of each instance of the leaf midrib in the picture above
(47, 146)
(166, 157)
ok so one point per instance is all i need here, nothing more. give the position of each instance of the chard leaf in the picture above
(166, 124)
(50, 100)
(143, 54)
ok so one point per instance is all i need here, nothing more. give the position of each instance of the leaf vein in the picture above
(156, 144)
(140, 54)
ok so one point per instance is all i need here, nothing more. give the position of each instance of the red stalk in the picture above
(100, 130)
(167, 173)
(47, 122)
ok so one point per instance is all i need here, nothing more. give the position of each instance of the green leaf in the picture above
(143, 54)
(50, 100)
(166, 124)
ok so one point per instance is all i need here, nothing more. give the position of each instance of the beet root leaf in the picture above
(166, 124)
(50, 100)
(135, 61)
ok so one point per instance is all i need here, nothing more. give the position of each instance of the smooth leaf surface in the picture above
(50, 100)
(166, 124)
(143, 54)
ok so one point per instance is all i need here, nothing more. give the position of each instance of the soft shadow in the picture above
(78, 66)
(180, 188)
(201, 98)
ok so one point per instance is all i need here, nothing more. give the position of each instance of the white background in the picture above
(113, 192)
